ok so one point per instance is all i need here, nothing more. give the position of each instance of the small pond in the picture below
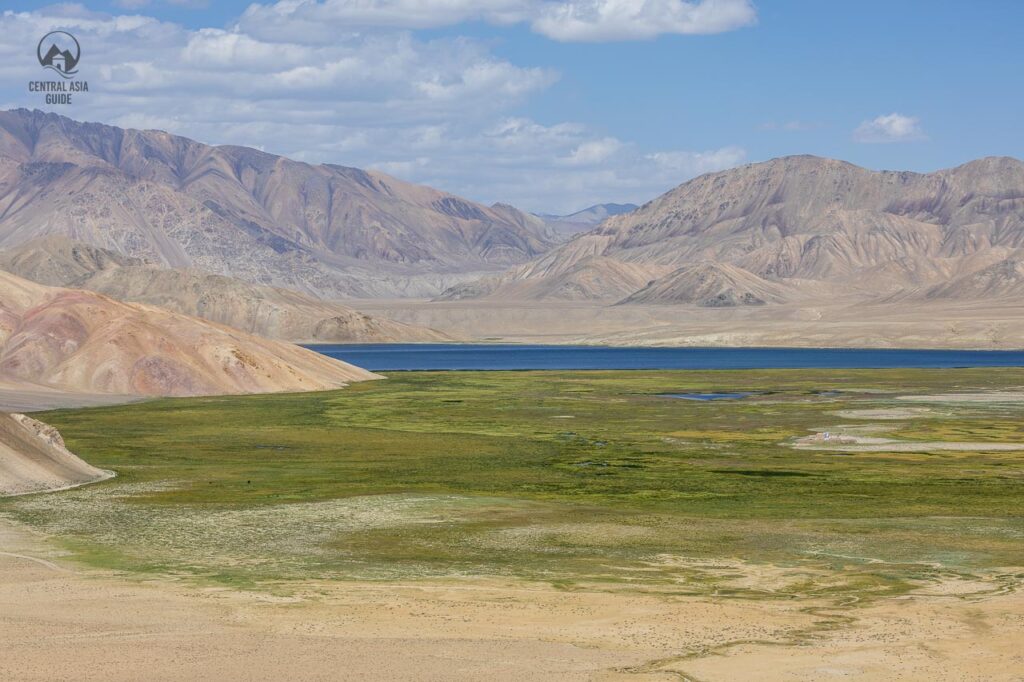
(705, 397)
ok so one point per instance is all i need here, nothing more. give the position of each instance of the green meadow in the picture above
(571, 478)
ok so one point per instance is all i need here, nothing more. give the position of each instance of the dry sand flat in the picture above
(920, 639)
(58, 621)
(990, 325)
(16, 397)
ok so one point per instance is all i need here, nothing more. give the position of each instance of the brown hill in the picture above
(241, 212)
(33, 459)
(83, 341)
(265, 311)
(818, 225)
(576, 272)
(1004, 279)
(711, 285)
(59, 262)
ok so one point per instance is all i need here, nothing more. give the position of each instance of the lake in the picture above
(415, 356)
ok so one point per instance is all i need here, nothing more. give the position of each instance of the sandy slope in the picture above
(33, 459)
(19, 397)
(85, 342)
(58, 621)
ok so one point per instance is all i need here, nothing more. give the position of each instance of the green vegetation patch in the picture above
(570, 477)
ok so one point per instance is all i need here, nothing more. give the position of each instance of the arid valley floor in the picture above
(535, 525)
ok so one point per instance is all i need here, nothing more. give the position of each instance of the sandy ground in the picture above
(958, 324)
(25, 398)
(60, 621)
(844, 442)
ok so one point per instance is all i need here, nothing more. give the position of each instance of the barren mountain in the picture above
(244, 213)
(816, 225)
(711, 285)
(581, 221)
(266, 311)
(33, 458)
(1004, 279)
(575, 272)
(83, 341)
(59, 262)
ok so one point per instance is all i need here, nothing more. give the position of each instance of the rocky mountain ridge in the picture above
(803, 226)
(240, 212)
(265, 311)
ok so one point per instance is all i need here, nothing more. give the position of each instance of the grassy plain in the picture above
(574, 478)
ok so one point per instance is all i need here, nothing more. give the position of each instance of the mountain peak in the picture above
(325, 229)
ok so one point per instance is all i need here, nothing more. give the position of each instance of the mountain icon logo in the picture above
(60, 51)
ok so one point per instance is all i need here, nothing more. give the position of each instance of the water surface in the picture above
(707, 397)
(434, 356)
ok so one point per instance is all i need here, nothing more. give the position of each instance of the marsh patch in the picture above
(763, 473)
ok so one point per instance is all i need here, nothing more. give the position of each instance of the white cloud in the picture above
(532, 166)
(610, 20)
(890, 128)
(592, 152)
(430, 111)
(696, 163)
(564, 20)
(320, 20)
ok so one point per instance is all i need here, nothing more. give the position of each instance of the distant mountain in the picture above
(574, 272)
(1004, 279)
(802, 228)
(235, 211)
(711, 285)
(581, 221)
(266, 311)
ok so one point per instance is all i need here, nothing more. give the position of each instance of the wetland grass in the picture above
(568, 477)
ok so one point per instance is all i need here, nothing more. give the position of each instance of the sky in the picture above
(550, 105)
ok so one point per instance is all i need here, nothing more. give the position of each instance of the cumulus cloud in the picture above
(559, 168)
(140, 63)
(592, 152)
(564, 20)
(430, 111)
(320, 20)
(609, 20)
(689, 164)
(892, 127)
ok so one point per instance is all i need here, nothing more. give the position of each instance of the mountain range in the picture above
(329, 230)
(268, 245)
(266, 311)
(566, 226)
(793, 229)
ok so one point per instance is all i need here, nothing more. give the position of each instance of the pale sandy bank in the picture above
(33, 459)
(58, 621)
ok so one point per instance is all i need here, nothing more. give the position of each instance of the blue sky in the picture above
(542, 103)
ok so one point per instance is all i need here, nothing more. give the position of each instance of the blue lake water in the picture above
(383, 357)
(707, 397)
